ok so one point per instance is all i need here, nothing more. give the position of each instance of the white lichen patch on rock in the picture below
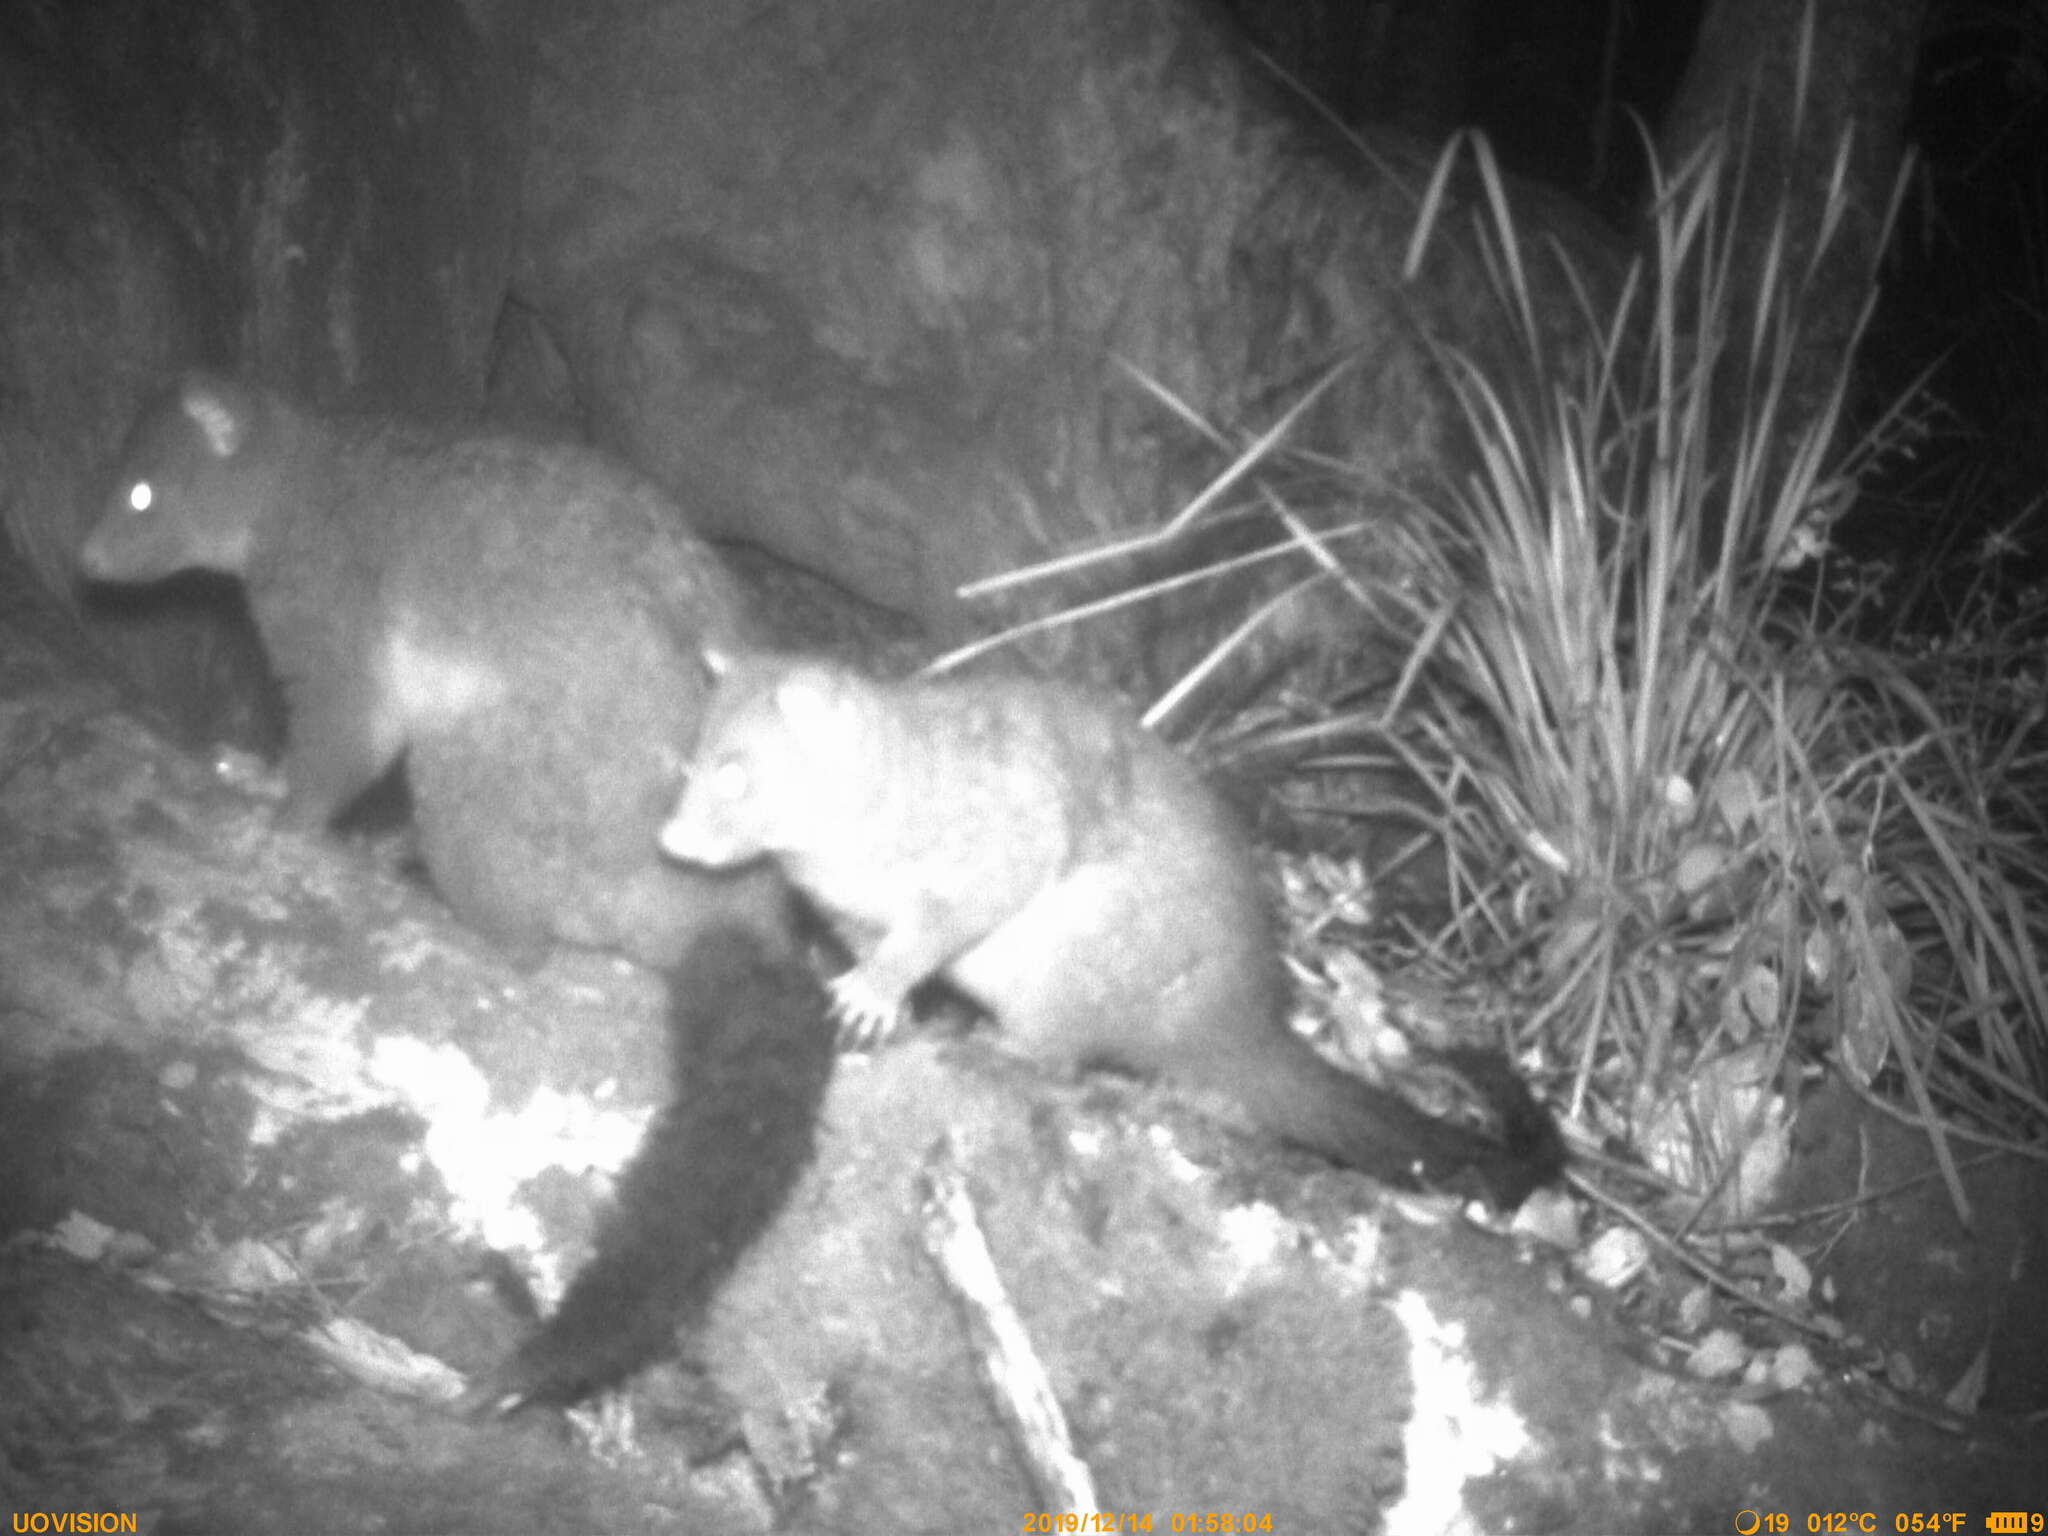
(309, 1064)
(485, 1155)
(1452, 1435)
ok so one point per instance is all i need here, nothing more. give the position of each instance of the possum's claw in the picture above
(866, 1015)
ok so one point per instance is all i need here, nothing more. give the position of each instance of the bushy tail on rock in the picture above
(752, 1053)
(1298, 1097)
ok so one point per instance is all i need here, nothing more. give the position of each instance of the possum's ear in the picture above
(718, 662)
(814, 705)
(221, 411)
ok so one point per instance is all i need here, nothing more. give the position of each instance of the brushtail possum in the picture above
(522, 623)
(1070, 873)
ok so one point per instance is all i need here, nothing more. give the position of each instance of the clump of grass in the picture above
(1691, 820)
(1693, 826)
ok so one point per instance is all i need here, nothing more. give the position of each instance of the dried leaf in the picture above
(1735, 797)
(1862, 1042)
(1752, 1004)
(1721, 1353)
(1795, 1277)
(1699, 866)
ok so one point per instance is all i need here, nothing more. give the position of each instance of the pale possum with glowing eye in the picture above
(1069, 872)
(523, 624)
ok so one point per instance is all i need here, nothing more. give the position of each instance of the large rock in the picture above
(870, 284)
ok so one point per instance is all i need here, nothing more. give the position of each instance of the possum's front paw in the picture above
(867, 1015)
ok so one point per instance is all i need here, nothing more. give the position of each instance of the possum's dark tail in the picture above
(1300, 1098)
(753, 1050)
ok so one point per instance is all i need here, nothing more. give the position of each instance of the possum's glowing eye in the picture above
(140, 495)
